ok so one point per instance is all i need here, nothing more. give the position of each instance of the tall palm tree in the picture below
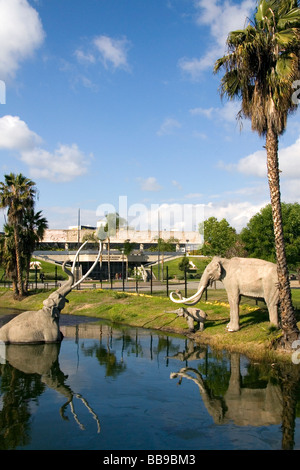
(33, 230)
(8, 256)
(260, 67)
(17, 193)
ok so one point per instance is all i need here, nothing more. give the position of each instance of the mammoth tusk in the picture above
(91, 269)
(76, 256)
(196, 297)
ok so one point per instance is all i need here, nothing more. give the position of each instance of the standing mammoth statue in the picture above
(241, 276)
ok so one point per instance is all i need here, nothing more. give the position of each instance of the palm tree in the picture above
(17, 194)
(260, 68)
(8, 256)
(34, 226)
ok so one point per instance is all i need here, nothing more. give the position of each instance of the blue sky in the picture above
(110, 99)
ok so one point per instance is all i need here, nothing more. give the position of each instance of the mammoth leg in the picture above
(190, 322)
(234, 324)
(273, 313)
(272, 301)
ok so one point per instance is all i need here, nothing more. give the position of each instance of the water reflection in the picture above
(125, 372)
(252, 405)
(266, 395)
(28, 371)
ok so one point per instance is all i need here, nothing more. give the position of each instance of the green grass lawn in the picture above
(154, 312)
(174, 271)
(47, 268)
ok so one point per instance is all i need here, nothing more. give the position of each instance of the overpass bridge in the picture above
(117, 260)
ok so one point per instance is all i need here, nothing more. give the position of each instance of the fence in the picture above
(151, 287)
(137, 285)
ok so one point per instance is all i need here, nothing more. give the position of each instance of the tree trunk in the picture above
(15, 287)
(26, 281)
(288, 319)
(18, 263)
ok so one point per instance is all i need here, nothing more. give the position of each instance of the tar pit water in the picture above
(121, 388)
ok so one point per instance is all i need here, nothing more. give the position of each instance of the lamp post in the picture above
(123, 280)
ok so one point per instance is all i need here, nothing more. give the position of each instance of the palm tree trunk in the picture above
(15, 287)
(288, 319)
(26, 281)
(18, 263)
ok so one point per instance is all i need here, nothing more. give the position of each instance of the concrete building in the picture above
(60, 245)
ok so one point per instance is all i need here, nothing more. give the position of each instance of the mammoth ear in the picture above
(219, 269)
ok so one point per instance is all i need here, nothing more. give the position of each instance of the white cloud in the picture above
(113, 51)
(21, 33)
(194, 67)
(64, 164)
(256, 163)
(15, 134)
(290, 190)
(221, 18)
(176, 184)
(168, 126)
(188, 216)
(194, 196)
(227, 113)
(85, 57)
(149, 184)
(224, 16)
(237, 213)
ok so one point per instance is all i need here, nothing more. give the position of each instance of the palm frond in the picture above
(290, 19)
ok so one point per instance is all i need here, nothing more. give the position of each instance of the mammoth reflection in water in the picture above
(245, 406)
(39, 366)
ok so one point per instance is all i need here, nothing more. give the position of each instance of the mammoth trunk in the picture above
(66, 288)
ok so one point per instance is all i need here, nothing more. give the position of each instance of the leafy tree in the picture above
(238, 249)
(90, 237)
(17, 194)
(184, 264)
(259, 238)
(33, 230)
(219, 237)
(8, 256)
(127, 249)
(165, 245)
(261, 65)
(24, 228)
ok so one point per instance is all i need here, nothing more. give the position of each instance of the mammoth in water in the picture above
(42, 326)
(249, 277)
